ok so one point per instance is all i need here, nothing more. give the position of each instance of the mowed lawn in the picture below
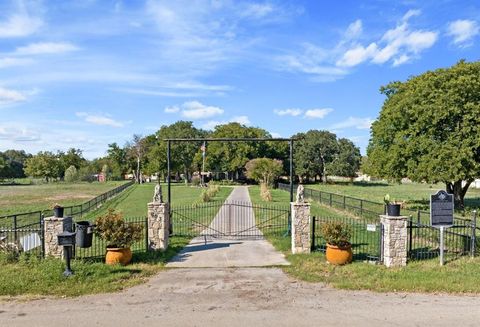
(26, 198)
(416, 195)
(133, 202)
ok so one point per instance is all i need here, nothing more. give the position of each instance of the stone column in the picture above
(53, 226)
(301, 227)
(158, 225)
(394, 240)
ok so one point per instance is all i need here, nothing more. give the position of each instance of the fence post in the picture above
(313, 233)
(361, 208)
(474, 232)
(410, 236)
(158, 221)
(15, 227)
(42, 233)
(344, 205)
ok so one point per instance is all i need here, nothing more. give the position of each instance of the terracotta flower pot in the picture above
(339, 255)
(121, 256)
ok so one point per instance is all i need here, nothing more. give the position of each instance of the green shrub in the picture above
(196, 180)
(336, 233)
(115, 231)
(71, 174)
(205, 196)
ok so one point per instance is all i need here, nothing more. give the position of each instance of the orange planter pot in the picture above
(121, 256)
(339, 255)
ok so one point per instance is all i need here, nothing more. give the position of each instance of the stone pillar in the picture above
(394, 240)
(301, 227)
(158, 225)
(53, 226)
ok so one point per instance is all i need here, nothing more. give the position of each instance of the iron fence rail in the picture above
(99, 246)
(26, 219)
(366, 237)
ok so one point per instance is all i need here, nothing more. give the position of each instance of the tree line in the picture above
(316, 155)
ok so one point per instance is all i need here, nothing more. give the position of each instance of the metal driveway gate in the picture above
(231, 220)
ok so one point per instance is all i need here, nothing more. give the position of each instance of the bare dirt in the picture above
(242, 297)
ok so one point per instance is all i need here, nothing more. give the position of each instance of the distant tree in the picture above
(428, 129)
(264, 170)
(313, 152)
(346, 162)
(136, 151)
(117, 157)
(44, 165)
(106, 171)
(73, 157)
(14, 163)
(71, 174)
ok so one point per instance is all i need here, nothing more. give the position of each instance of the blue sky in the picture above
(89, 73)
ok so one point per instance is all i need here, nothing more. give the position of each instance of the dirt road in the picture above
(242, 297)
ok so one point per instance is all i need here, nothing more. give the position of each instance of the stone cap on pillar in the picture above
(394, 217)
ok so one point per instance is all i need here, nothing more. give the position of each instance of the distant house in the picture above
(102, 178)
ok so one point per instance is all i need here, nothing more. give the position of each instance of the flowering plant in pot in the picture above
(57, 210)
(393, 208)
(119, 236)
(337, 235)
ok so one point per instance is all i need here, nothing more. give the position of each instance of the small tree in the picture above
(106, 172)
(264, 170)
(44, 164)
(71, 174)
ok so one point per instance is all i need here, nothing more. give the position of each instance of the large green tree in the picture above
(44, 164)
(346, 162)
(314, 150)
(429, 129)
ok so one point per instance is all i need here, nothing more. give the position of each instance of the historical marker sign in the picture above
(441, 209)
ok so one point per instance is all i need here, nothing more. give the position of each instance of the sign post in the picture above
(441, 216)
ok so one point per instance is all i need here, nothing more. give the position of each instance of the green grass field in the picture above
(25, 198)
(416, 195)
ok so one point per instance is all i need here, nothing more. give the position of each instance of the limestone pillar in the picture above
(52, 226)
(158, 225)
(394, 240)
(301, 227)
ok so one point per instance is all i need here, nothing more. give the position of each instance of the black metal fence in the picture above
(98, 249)
(24, 227)
(366, 237)
(459, 240)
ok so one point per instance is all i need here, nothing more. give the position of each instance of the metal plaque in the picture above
(441, 209)
(371, 227)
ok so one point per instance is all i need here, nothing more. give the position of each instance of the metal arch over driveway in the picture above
(169, 141)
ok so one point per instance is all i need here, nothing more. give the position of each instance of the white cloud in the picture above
(13, 62)
(9, 96)
(17, 134)
(354, 122)
(196, 110)
(257, 10)
(463, 31)
(210, 125)
(354, 29)
(99, 120)
(357, 55)
(46, 48)
(19, 25)
(317, 113)
(412, 13)
(288, 112)
(275, 135)
(172, 109)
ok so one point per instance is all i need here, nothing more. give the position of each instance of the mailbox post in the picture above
(67, 240)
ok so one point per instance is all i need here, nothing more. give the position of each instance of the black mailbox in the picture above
(66, 239)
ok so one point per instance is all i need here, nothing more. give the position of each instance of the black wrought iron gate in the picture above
(231, 220)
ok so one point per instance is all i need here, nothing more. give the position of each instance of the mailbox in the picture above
(66, 239)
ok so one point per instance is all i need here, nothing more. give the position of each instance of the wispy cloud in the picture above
(317, 113)
(354, 122)
(10, 96)
(288, 112)
(19, 25)
(210, 125)
(14, 62)
(463, 31)
(195, 110)
(99, 119)
(16, 134)
(45, 48)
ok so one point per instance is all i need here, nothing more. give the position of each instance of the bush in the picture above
(71, 174)
(196, 180)
(336, 233)
(265, 193)
(205, 196)
(116, 232)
